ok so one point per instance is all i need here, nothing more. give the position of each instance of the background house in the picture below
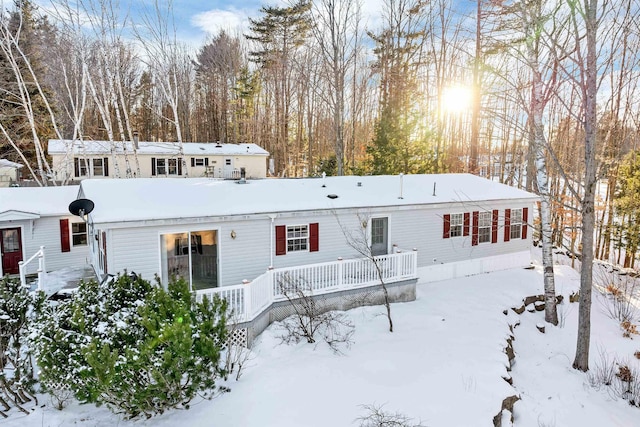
(78, 160)
(217, 233)
(9, 172)
(31, 217)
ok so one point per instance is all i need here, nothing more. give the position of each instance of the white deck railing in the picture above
(248, 300)
(42, 271)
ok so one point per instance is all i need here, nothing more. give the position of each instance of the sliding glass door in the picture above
(191, 255)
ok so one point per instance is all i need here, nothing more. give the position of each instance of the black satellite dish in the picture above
(81, 207)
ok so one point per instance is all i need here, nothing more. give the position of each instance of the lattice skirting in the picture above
(238, 337)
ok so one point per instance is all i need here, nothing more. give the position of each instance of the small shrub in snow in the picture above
(628, 329)
(235, 355)
(618, 302)
(134, 346)
(603, 373)
(376, 416)
(312, 320)
(636, 354)
(16, 371)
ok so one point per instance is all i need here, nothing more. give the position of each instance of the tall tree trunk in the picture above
(589, 91)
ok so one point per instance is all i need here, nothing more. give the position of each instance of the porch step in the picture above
(65, 279)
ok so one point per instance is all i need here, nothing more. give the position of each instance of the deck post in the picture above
(272, 293)
(340, 272)
(248, 314)
(41, 269)
(23, 279)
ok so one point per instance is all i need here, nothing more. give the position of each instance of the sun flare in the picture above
(456, 99)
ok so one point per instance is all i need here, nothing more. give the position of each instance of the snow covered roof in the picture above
(37, 201)
(60, 146)
(164, 198)
(4, 163)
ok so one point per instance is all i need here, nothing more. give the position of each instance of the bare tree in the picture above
(586, 14)
(169, 63)
(312, 318)
(359, 238)
(336, 33)
(27, 95)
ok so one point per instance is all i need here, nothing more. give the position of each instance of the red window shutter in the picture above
(313, 237)
(179, 161)
(474, 231)
(494, 226)
(65, 244)
(447, 226)
(104, 250)
(525, 219)
(281, 240)
(106, 166)
(153, 166)
(507, 225)
(466, 224)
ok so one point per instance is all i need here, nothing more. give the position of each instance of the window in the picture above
(515, 231)
(173, 166)
(457, 221)
(227, 162)
(98, 167)
(297, 238)
(484, 227)
(198, 162)
(79, 233)
(80, 167)
(161, 167)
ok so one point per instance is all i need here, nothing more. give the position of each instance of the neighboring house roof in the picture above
(62, 146)
(165, 198)
(34, 202)
(4, 163)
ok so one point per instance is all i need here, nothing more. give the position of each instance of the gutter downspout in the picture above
(273, 217)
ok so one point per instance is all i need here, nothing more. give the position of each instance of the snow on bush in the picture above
(16, 371)
(134, 346)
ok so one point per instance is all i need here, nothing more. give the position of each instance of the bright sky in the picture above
(196, 20)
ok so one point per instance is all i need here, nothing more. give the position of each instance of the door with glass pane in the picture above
(379, 236)
(192, 256)
(11, 250)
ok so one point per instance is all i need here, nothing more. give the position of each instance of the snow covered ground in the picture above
(443, 365)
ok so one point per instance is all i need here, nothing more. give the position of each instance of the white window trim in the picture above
(86, 233)
(307, 238)
(514, 224)
(451, 225)
(93, 166)
(489, 226)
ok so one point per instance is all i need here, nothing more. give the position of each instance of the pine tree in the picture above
(627, 205)
(399, 144)
(31, 34)
(278, 35)
(136, 347)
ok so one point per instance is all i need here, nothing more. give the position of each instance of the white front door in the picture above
(379, 236)
(227, 168)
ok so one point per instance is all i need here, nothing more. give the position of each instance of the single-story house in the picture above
(218, 233)
(31, 217)
(78, 160)
(9, 172)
